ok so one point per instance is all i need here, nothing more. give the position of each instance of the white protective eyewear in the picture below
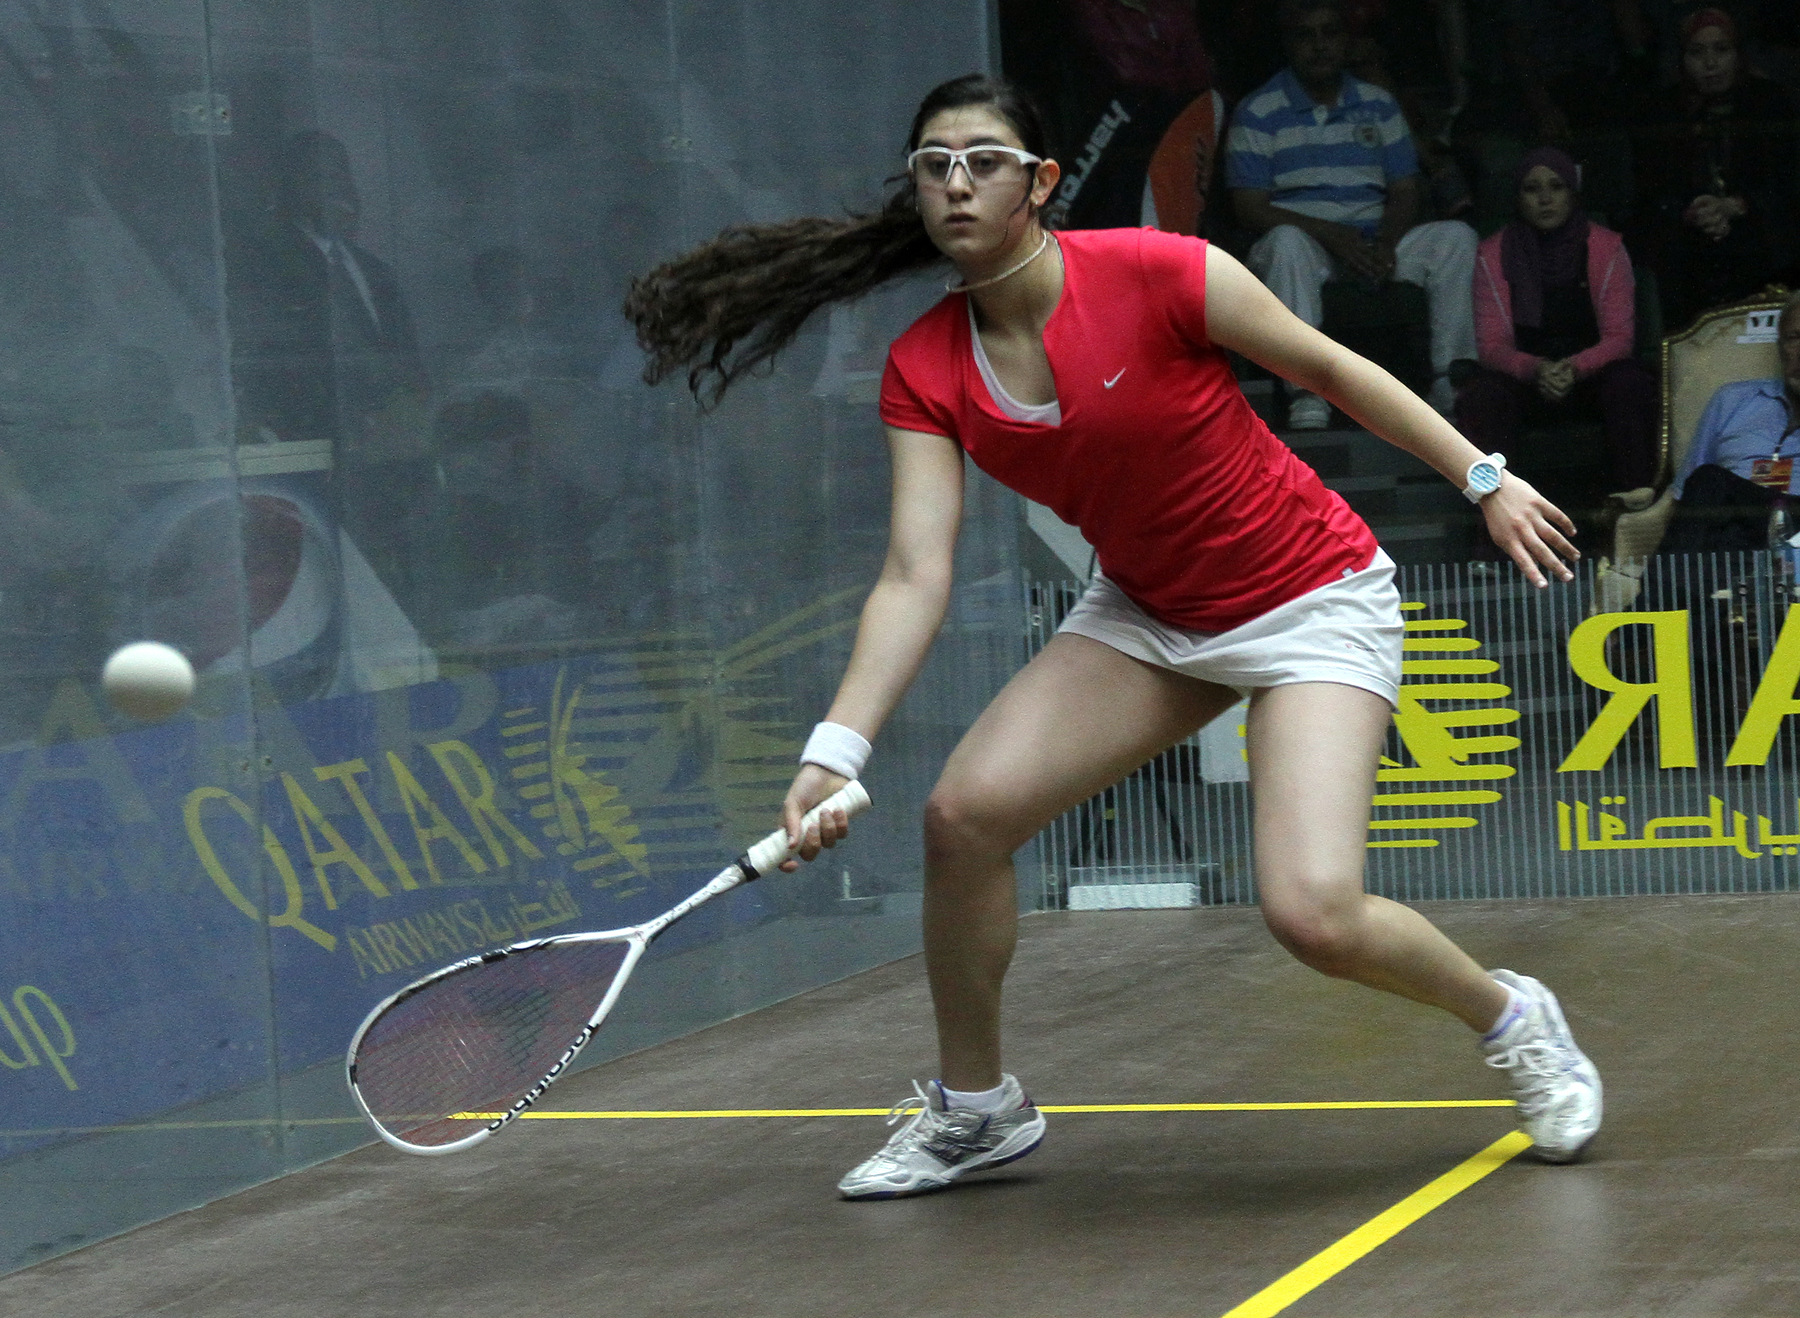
(931, 166)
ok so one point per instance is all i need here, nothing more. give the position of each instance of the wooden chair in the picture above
(1735, 342)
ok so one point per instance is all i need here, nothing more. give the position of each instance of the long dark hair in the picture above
(730, 305)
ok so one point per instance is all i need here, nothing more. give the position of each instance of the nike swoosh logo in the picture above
(1110, 383)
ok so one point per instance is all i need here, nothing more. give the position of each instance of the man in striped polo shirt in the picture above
(1322, 166)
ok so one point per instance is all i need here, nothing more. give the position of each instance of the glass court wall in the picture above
(313, 368)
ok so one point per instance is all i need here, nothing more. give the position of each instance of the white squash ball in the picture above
(148, 680)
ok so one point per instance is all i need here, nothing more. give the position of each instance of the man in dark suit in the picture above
(323, 348)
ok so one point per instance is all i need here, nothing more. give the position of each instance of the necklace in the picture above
(960, 287)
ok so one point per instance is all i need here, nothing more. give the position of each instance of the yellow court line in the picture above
(1326, 1264)
(249, 1123)
(536, 1114)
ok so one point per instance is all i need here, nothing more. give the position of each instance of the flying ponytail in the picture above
(729, 306)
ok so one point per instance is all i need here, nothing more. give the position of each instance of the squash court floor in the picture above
(1688, 1205)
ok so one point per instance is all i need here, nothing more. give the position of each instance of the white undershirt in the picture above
(1039, 414)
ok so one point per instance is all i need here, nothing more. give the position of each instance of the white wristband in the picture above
(833, 746)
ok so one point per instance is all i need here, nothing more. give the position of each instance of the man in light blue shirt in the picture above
(1745, 456)
(1322, 166)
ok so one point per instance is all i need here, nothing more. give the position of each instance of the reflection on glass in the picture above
(311, 364)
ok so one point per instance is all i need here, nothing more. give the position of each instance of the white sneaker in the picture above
(1308, 412)
(939, 1144)
(1557, 1088)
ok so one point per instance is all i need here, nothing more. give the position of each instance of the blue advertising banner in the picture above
(153, 880)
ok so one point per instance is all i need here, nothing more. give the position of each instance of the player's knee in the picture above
(960, 822)
(1326, 938)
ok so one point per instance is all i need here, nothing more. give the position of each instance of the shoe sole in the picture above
(954, 1175)
(1557, 1158)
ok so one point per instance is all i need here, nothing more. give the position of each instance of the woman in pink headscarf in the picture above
(1554, 325)
(1717, 192)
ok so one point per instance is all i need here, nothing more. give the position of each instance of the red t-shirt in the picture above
(1195, 509)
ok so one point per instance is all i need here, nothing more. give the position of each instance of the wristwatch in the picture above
(1484, 477)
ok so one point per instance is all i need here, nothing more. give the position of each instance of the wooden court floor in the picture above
(1689, 1205)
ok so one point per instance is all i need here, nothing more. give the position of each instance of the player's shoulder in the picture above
(1123, 254)
(1116, 244)
(933, 332)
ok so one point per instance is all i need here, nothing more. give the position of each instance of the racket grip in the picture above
(773, 849)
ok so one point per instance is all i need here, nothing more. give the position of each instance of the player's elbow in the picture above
(1328, 371)
(931, 573)
(921, 584)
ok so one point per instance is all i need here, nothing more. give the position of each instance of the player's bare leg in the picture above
(1314, 747)
(1080, 716)
(1076, 719)
(1313, 754)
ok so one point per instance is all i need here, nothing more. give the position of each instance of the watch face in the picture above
(1485, 477)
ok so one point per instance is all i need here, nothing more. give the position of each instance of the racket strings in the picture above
(479, 1040)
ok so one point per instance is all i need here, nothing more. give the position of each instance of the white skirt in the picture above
(1347, 631)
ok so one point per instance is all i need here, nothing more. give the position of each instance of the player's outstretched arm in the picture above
(901, 617)
(1244, 316)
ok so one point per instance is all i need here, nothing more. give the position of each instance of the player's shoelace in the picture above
(917, 1105)
(925, 1124)
(917, 1111)
(1534, 1068)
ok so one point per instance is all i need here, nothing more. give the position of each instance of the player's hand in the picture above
(811, 786)
(1534, 532)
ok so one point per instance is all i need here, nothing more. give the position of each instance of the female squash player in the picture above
(1088, 371)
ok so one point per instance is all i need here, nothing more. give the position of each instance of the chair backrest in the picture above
(1726, 344)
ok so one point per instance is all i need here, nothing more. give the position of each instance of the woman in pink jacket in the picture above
(1554, 323)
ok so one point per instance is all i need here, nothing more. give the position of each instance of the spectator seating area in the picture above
(1735, 342)
(1682, 121)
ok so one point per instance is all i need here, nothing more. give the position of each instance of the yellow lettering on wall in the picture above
(203, 848)
(291, 917)
(479, 801)
(56, 1056)
(384, 937)
(1671, 689)
(26, 1056)
(307, 817)
(345, 776)
(363, 954)
(1774, 700)
(415, 798)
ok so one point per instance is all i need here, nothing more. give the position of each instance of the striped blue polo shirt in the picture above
(1333, 163)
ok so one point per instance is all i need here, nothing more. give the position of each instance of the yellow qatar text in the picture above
(207, 810)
